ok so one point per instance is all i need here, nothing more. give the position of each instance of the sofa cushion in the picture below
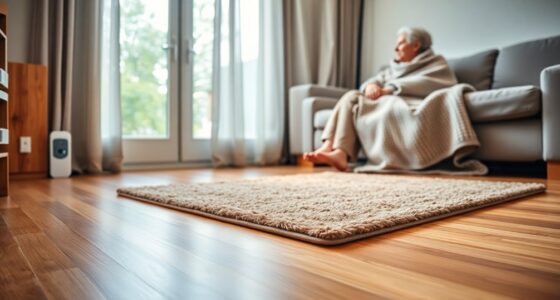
(317, 142)
(483, 106)
(503, 104)
(521, 64)
(476, 70)
(519, 140)
(321, 117)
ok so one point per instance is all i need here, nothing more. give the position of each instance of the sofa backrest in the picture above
(521, 64)
(476, 70)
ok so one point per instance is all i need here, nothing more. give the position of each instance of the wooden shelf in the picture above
(3, 79)
(4, 136)
(28, 114)
(4, 120)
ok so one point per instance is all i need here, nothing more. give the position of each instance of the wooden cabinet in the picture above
(28, 117)
(4, 95)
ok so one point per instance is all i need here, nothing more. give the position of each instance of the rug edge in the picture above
(327, 242)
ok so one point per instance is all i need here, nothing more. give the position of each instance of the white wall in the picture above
(19, 14)
(458, 27)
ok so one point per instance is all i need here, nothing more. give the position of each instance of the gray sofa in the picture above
(515, 110)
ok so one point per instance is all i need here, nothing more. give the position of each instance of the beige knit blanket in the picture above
(418, 78)
(432, 135)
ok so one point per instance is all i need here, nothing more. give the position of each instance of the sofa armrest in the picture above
(297, 95)
(550, 86)
(310, 106)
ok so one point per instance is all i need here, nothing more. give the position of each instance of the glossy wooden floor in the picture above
(75, 239)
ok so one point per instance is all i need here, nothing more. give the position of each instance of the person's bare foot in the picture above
(325, 148)
(336, 158)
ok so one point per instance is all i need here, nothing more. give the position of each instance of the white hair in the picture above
(413, 34)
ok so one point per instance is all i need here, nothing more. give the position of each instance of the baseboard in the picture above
(24, 176)
(165, 166)
(536, 169)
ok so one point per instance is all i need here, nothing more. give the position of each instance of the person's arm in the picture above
(378, 80)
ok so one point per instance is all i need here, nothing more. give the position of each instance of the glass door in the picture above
(166, 80)
(196, 79)
(149, 86)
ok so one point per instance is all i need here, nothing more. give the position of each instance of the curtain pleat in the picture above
(69, 37)
(248, 83)
(322, 41)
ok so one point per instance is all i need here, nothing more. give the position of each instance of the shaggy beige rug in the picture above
(332, 208)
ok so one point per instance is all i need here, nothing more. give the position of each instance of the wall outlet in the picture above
(25, 144)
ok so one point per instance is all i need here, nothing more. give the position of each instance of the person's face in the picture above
(405, 51)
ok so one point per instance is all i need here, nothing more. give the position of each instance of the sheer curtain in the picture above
(111, 126)
(248, 83)
(78, 42)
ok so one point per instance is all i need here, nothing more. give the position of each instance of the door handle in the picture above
(190, 51)
(172, 48)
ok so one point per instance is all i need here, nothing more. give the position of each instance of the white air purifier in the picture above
(60, 145)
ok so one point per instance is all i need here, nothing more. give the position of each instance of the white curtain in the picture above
(248, 83)
(96, 137)
(111, 126)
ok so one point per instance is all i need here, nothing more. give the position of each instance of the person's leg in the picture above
(340, 135)
(328, 132)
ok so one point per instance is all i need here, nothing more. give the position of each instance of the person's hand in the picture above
(373, 91)
(387, 91)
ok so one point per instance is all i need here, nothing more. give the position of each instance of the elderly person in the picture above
(414, 73)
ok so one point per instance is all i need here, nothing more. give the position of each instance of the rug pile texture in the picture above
(332, 208)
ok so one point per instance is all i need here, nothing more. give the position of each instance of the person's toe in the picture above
(312, 158)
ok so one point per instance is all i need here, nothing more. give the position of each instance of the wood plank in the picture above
(100, 245)
(42, 254)
(69, 284)
(17, 281)
(18, 222)
(227, 266)
(233, 266)
(7, 202)
(304, 163)
(4, 176)
(135, 259)
(553, 170)
(57, 273)
(111, 278)
(129, 249)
